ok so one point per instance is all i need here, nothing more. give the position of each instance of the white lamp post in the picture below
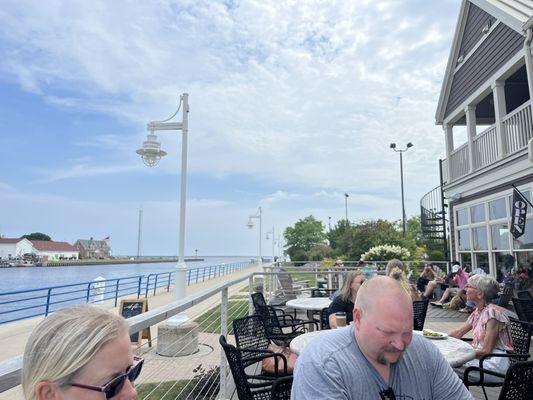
(250, 225)
(273, 242)
(401, 151)
(151, 153)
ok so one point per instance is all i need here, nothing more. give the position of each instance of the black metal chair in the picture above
(518, 383)
(523, 308)
(520, 332)
(249, 387)
(281, 388)
(275, 327)
(324, 318)
(524, 294)
(258, 301)
(420, 308)
(504, 299)
(322, 292)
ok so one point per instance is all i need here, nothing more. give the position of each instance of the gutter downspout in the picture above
(529, 60)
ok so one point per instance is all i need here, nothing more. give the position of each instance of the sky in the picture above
(292, 104)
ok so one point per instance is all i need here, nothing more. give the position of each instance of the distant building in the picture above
(48, 250)
(91, 248)
(14, 248)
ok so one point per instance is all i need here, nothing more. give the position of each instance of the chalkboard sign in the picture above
(130, 308)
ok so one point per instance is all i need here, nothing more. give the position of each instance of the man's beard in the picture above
(383, 361)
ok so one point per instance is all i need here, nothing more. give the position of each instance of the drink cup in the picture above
(341, 319)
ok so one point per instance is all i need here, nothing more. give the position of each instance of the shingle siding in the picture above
(502, 44)
(476, 20)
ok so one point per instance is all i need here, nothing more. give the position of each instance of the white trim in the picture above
(512, 22)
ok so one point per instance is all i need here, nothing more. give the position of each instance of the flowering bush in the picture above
(385, 252)
(518, 281)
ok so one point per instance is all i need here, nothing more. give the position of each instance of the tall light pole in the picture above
(272, 232)
(346, 195)
(151, 153)
(250, 224)
(401, 151)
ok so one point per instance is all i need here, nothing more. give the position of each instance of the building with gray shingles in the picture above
(98, 249)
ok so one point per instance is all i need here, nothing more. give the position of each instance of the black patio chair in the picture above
(520, 332)
(524, 294)
(504, 299)
(258, 301)
(322, 292)
(324, 318)
(249, 387)
(523, 308)
(518, 383)
(275, 328)
(420, 308)
(281, 388)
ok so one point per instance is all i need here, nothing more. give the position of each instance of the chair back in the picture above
(524, 309)
(524, 294)
(518, 383)
(420, 308)
(236, 366)
(250, 333)
(520, 332)
(281, 388)
(505, 297)
(287, 286)
(270, 320)
(258, 300)
(324, 318)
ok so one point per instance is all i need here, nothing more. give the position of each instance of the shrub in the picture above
(385, 252)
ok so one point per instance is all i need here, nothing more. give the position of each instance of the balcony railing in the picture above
(517, 130)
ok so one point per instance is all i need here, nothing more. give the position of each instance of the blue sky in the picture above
(292, 104)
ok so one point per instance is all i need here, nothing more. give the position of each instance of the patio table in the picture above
(455, 351)
(310, 304)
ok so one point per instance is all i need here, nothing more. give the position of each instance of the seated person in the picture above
(458, 281)
(396, 270)
(345, 300)
(425, 277)
(77, 352)
(488, 324)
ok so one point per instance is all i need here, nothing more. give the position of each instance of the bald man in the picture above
(377, 357)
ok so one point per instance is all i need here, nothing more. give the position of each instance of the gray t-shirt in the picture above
(333, 367)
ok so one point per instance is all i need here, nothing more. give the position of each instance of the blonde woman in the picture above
(345, 300)
(80, 353)
(396, 270)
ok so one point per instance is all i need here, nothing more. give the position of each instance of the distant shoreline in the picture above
(144, 260)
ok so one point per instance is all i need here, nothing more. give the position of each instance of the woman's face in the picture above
(357, 282)
(112, 360)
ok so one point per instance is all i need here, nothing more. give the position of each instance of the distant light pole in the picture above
(346, 195)
(272, 232)
(250, 224)
(329, 223)
(401, 151)
(195, 253)
(151, 153)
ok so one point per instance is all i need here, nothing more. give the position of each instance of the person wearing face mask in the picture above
(80, 353)
(376, 357)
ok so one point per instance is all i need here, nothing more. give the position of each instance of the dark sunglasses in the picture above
(115, 385)
(387, 394)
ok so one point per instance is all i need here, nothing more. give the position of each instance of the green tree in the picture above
(303, 236)
(37, 236)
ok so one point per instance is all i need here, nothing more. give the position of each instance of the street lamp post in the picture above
(272, 232)
(401, 151)
(250, 224)
(151, 153)
(346, 195)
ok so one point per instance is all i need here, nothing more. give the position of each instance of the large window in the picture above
(477, 213)
(500, 237)
(464, 239)
(479, 236)
(497, 209)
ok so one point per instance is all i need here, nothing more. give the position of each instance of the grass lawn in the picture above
(210, 320)
(307, 277)
(163, 390)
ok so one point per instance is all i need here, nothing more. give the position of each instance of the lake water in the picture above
(23, 278)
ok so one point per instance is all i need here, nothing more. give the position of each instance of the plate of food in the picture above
(428, 333)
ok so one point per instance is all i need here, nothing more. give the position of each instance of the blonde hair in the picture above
(394, 263)
(65, 342)
(346, 290)
(398, 274)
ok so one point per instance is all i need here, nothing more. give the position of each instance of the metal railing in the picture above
(23, 304)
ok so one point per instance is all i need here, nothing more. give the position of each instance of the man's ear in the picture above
(47, 391)
(357, 315)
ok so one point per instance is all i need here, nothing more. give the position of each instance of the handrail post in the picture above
(147, 285)
(169, 277)
(48, 301)
(88, 292)
(155, 283)
(116, 291)
(139, 287)
(250, 291)
(223, 331)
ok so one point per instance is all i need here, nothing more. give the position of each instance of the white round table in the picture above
(309, 304)
(455, 351)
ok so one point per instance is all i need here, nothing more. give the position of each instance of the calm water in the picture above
(12, 279)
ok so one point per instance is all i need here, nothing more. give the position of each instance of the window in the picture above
(466, 261)
(500, 237)
(526, 240)
(480, 238)
(462, 217)
(477, 213)
(482, 261)
(497, 209)
(464, 239)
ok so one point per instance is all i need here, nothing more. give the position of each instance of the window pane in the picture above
(497, 209)
(477, 213)
(466, 261)
(526, 240)
(462, 217)
(500, 237)
(464, 239)
(480, 238)
(482, 261)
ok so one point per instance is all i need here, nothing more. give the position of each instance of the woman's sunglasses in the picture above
(115, 385)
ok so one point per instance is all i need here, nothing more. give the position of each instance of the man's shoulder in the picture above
(333, 344)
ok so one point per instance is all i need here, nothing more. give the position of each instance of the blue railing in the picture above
(22, 304)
